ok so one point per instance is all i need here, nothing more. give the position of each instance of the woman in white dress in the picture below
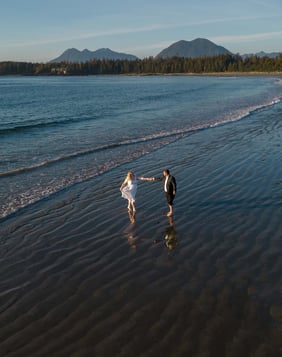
(129, 188)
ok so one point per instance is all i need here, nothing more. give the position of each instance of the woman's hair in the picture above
(130, 175)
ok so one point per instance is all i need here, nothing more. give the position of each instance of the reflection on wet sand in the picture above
(132, 216)
(130, 232)
(170, 235)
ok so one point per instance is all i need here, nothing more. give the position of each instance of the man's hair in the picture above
(166, 171)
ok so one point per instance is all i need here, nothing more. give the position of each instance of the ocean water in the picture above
(58, 131)
(81, 276)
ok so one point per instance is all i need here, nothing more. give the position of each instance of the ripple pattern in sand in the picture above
(79, 278)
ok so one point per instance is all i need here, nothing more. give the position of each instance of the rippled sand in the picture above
(81, 277)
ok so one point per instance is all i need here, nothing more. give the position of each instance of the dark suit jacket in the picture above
(171, 183)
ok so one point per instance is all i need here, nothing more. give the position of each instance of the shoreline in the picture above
(81, 276)
(84, 265)
(214, 74)
(188, 74)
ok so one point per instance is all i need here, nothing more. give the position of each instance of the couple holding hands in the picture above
(129, 188)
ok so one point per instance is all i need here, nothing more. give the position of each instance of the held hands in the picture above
(147, 178)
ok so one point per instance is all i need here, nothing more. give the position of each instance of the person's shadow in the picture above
(170, 235)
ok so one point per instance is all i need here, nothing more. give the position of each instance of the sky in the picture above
(41, 30)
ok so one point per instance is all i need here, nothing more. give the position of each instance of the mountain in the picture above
(262, 54)
(74, 55)
(197, 48)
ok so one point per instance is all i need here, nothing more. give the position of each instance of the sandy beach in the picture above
(81, 277)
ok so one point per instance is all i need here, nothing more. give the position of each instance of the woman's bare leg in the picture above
(170, 213)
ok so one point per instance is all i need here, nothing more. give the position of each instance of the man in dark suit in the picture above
(169, 188)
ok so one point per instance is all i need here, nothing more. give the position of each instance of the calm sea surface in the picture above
(57, 131)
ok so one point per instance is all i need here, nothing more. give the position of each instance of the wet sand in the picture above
(82, 277)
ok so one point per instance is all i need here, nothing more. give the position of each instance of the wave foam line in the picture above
(235, 116)
(93, 150)
(34, 195)
(244, 113)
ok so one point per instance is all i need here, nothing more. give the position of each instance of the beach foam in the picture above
(78, 277)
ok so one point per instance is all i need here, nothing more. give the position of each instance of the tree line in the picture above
(150, 65)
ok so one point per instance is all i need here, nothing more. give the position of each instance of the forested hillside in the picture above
(151, 65)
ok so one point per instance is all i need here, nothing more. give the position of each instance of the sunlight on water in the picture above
(59, 131)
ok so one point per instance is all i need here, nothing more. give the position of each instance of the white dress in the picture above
(129, 191)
